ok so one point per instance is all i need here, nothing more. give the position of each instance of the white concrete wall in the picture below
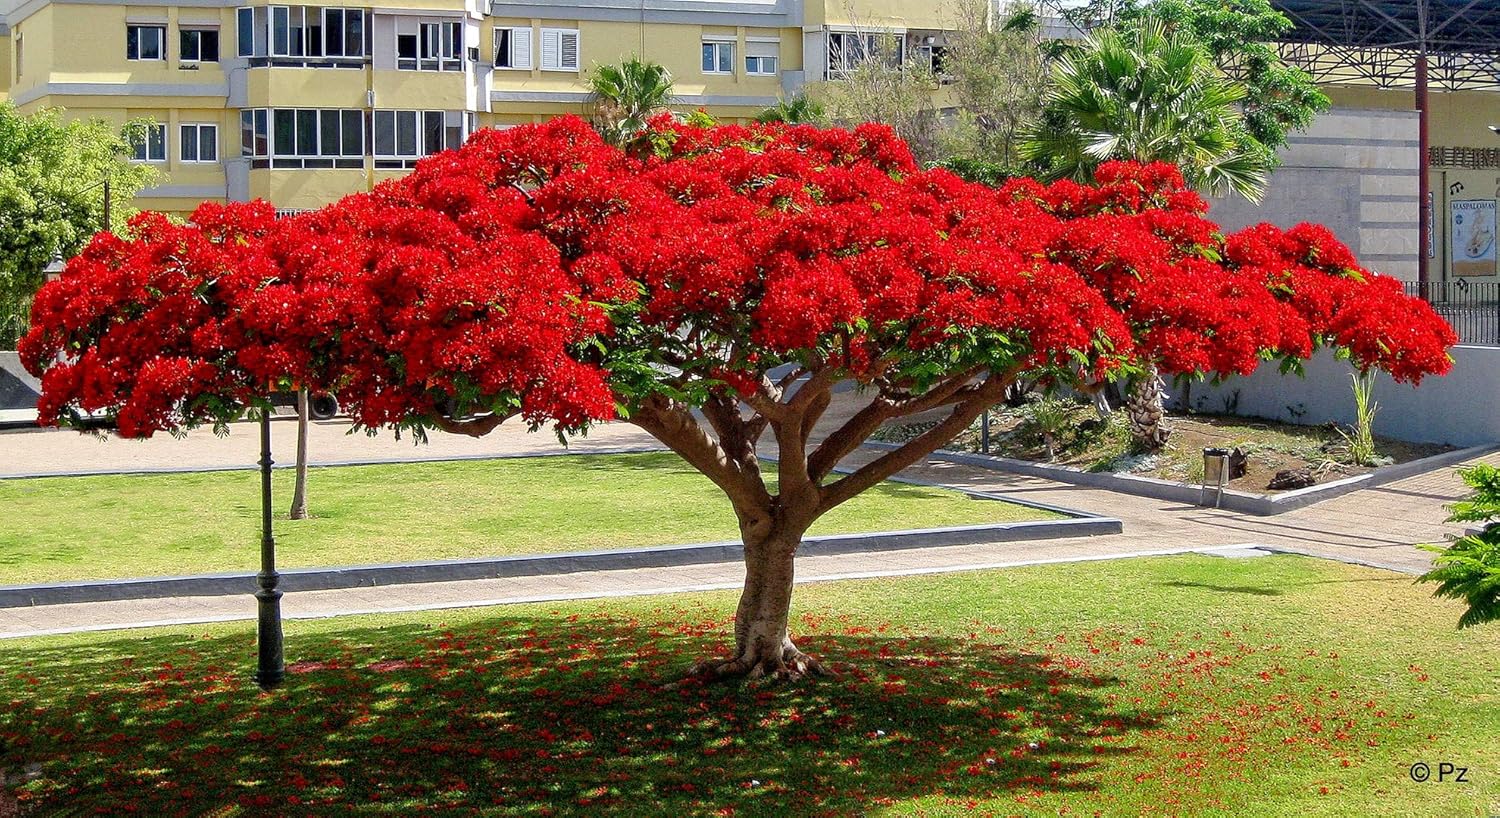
(1354, 170)
(1461, 408)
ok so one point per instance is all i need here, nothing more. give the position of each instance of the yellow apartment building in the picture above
(301, 104)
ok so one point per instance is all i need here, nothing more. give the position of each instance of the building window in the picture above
(559, 49)
(250, 38)
(199, 143)
(19, 62)
(145, 42)
(151, 145)
(762, 57)
(301, 36)
(198, 45)
(254, 139)
(423, 46)
(513, 48)
(718, 57)
(303, 138)
(932, 57)
(846, 50)
(402, 137)
(344, 32)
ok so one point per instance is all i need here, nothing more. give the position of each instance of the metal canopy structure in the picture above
(1453, 44)
(1384, 42)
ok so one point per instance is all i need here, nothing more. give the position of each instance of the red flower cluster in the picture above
(539, 270)
(1198, 302)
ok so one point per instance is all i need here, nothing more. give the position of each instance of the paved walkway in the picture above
(1378, 527)
(37, 452)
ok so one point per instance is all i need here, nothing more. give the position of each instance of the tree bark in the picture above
(762, 642)
(299, 490)
(1148, 424)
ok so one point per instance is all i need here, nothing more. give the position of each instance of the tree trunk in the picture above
(1148, 424)
(762, 644)
(299, 490)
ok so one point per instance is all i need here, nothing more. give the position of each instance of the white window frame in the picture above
(518, 36)
(560, 49)
(161, 41)
(197, 129)
(419, 120)
(343, 31)
(717, 46)
(145, 147)
(255, 133)
(259, 31)
(200, 30)
(871, 48)
(754, 44)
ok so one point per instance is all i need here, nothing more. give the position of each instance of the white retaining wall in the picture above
(1461, 408)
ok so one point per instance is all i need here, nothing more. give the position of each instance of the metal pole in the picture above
(1425, 235)
(106, 205)
(271, 669)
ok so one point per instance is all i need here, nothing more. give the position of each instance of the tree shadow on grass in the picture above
(536, 716)
(1253, 590)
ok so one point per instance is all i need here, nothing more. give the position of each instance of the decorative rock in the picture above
(1291, 479)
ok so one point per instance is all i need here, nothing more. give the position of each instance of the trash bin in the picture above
(1215, 474)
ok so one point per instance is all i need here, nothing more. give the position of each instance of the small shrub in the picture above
(1049, 419)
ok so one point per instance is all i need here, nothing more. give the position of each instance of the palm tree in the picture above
(1148, 95)
(627, 95)
(799, 110)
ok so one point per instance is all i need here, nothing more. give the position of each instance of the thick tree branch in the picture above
(675, 427)
(818, 385)
(474, 427)
(858, 428)
(890, 463)
(847, 438)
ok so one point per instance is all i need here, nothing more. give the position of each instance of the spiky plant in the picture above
(627, 95)
(799, 110)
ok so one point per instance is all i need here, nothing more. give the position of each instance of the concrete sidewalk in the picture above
(1378, 527)
(41, 452)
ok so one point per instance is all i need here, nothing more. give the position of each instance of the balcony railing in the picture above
(1473, 308)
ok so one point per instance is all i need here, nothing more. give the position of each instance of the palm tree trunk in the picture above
(1148, 423)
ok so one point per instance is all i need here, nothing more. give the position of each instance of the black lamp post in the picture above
(271, 669)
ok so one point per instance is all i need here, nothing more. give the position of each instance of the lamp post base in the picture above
(271, 668)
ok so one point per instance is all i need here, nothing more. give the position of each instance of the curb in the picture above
(365, 576)
(1261, 505)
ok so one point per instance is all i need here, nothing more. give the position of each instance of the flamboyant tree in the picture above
(711, 286)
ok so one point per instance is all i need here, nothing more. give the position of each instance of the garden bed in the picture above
(1085, 443)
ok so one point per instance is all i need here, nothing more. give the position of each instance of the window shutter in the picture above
(520, 44)
(570, 50)
(551, 48)
(757, 49)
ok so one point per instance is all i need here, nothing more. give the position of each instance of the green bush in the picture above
(1469, 568)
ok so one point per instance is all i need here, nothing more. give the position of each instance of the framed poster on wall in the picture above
(1471, 231)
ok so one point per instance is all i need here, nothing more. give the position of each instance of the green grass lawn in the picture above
(1186, 685)
(68, 528)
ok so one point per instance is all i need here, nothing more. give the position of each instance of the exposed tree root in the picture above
(788, 666)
